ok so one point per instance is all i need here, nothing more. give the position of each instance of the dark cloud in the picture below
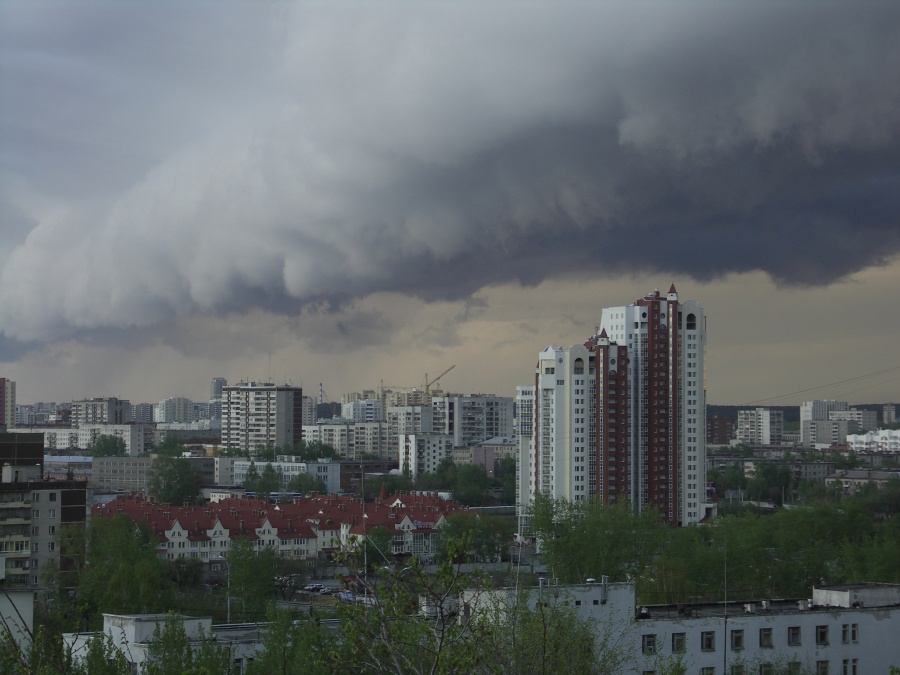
(203, 160)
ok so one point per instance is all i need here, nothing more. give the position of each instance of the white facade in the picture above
(261, 414)
(328, 472)
(366, 410)
(351, 440)
(174, 409)
(100, 411)
(760, 426)
(138, 438)
(812, 411)
(422, 452)
(404, 420)
(883, 440)
(472, 419)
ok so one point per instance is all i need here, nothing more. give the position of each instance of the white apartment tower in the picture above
(623, 416)
(259, 414)
(760, 426)
(473, 419)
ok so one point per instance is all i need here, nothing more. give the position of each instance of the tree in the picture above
(305, 483)
(107, 445)
(170, 447)
(471, 485)
(263, 483)
(172, 480)
(251, 578)
(292, 647)
(488, 537)
(170, 651)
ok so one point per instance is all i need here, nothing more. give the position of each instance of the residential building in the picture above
(261, 414)
(851, 481)
(863, 420)
(889, 414)
(472, 419)
(216, 387)
(351, 440)
(138, 438)
(423, 452)
(7, 403)
(825, 433)
(174, 409)
(812, 411)
(760, 426)
(94, 411)
(142, 413)
(405, 420)
(310, 414)
(366, 410)
(719, 430)
(120, 474)
(623, 416)
(883, 440)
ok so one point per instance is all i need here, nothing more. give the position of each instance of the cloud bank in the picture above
(164, 161)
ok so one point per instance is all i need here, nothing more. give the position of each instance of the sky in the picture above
(362, 194)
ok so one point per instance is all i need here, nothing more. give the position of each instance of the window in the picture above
(708, 641)
(793, 668)
(737, 640)
(707, 671)
(52, 496)
(51, 529)
(52, 546)
(648, 643)
(766, 669)
(850, 666)
(738, 669)
(821, 667)
(34, 546)
(765, 637)
(821, 635)
(52, 513)
(678, 643)
(849, 632)
(794, 636)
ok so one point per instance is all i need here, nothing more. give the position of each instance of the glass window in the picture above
(821, 667)
(737, 640)
(678, 643)
(765, 637)
(766, 669)
(708, 641)
(794, 636)
(821, 635)
(648, 643)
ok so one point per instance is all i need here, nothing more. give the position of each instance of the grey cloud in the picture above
(302, 157)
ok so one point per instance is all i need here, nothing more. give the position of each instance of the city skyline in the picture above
(340, 194)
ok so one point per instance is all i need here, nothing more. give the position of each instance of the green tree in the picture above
(292, 646)
(488, 537)
(170, 447)
(172, 480)
(251, 578)
(471, 485)
(306, 483)
(107, 445)
(170, 652)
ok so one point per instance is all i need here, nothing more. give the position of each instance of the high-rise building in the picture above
(889, 414)
(623, 416)
(7, 403)
(215, 397)
(473, 419)
(817, 411)
(760, 426)
(260, 414)
(101, 411)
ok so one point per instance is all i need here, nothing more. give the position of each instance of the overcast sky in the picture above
(355, 193)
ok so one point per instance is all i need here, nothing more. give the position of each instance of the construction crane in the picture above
(427, 384)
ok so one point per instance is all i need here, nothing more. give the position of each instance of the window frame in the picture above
(708, 641)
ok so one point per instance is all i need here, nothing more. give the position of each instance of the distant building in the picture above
(174, 409)
(138, 438)
(719, 430)
(862, 420)
(883, 440)
(851, 481)
(95, 411)
(327, 471)
(815, 411)
(366, 410)
(7, 403)
(889, 414)
(423, 452)
(472, 419)
(261, 414)
(760, 426)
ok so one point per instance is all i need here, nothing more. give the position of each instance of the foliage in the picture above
(264, 482)
(186, 572)
(468, 482)
(292, 647)
(489, 536)
(107, 445)
(588, 539)
(310, 451)
(170, 447)
(172, 480)
(170, 651)
(306, 483)
(251, 578)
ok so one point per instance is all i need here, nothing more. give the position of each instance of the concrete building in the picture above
(97, 411)
(472, 419)
(138, 438)
(120, 474)
(825, 433)
(623, 416)
(883, 440)
(863, 420)
(32, 510)
(813, 411)
(7, 403)
(851, 481)
(261, 414)
(174, 409)
(423, 452)
(889, 414)
(719, 430)
(366, 410)
(760, 426)
(327, 471)
(132, 635)
(351, 440)
(841, 630)
(405, 420)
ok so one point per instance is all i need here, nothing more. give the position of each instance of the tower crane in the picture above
(428, 383)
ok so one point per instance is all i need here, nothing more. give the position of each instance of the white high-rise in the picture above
(260, 414)
(623, 416)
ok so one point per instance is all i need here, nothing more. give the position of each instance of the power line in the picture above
(826, 386)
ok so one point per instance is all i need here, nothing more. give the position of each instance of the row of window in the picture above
(849, 634)
(848, 667)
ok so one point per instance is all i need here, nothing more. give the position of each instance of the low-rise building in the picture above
(851, 481)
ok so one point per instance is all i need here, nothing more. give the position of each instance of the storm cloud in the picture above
(163, 160)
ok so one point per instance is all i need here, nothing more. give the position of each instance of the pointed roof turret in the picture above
(672, 288)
